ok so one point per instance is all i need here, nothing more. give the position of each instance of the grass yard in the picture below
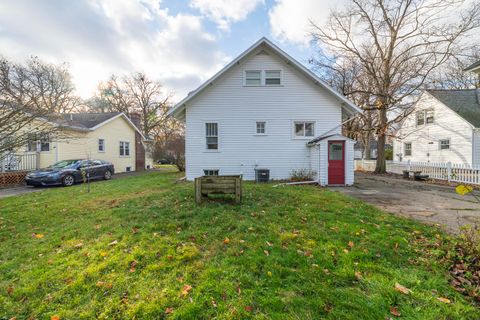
(139, 248)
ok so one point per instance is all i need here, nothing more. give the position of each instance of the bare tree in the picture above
(135, 93)
(452, 75)
(30, 95)
(397, 44)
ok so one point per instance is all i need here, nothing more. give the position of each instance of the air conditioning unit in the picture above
(262, 175)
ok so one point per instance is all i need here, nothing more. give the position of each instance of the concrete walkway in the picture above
(429, 203)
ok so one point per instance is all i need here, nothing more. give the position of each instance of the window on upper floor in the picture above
(424, 117)
(261, 127)
(408, 148)
(272, 77)
(253, 78)
(304, 129)
(444, 144)
(211, 135)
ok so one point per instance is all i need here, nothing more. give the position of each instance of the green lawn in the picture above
(140, 248)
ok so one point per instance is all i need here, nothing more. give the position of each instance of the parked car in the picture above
(164, 161)
(68, 172)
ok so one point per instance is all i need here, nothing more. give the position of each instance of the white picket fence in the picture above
(436, 170)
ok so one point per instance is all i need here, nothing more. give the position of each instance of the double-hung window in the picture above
(44, 142)
(272, 77)
(211, 135)
(408, 148)
(101, 145)
(261, 127)
(444, 144)
(253, 78)
(32, 142)
(424, 117)
(124, 148)
(420, 118)
(304, 129)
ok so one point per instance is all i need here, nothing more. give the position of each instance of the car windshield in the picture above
(65, 164)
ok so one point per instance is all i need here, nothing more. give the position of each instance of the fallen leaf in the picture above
(37, 235)
(266, 252)
(463, 189)
(345, 250)
(402, 289)
(168, 310)
(269, 273)
(326, 271)
(444, 300)
(103, 254)
(134, 230)
(113, 243)
(226, 241)
(54, 318)
(97, 226)
(186, 289)
(103, 284)
(79, 245)
(350, 244)
(358, 275)
(10, 290)
(248, 308)
(214, 303)
(133, 265)
(268, 244)
(395, 312)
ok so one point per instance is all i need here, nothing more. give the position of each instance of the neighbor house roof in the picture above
(87, 121)
(464, 102)
(473, 66)
(347, 104)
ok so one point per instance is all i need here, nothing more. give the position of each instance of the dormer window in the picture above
(263, 77)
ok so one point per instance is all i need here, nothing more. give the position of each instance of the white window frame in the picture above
(294, 132)
(252, 85)
(123, 145)
(275, 84)
(424, 114)
(204, 128)
(405, 149)
(264, 128)
(48, 142)
(440, 144)
(206, 171)
(103, 145)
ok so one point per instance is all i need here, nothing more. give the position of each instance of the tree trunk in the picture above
(381, 166)
(367, 150)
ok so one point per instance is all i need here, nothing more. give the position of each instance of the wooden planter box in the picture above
(218, 185)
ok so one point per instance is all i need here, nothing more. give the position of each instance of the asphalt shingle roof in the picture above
(464, 102)
(82, 120)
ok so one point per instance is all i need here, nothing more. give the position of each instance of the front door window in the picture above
(336, 152)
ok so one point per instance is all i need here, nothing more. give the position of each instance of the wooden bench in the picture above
(417, 175)
(207, 185)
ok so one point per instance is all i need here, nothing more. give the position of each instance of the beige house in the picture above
(106, 136)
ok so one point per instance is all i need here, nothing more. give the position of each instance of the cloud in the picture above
(224, 13)
(290, 19)
(101, 37)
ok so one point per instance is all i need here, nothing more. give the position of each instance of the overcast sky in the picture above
(181, 43)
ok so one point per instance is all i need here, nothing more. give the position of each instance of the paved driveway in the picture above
(425, 202)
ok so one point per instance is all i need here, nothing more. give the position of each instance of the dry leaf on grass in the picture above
(350, 244)
(402, 289)
(168, 310)
(444, 300)
(226, 241)
(186, 289)
(54, 318)
(37, 235)
(113, 243)
(395, 312)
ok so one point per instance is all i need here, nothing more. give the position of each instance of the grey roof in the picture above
(81, 121)
(464, 102)
(473, 66)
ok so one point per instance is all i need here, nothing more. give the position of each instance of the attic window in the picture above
(272, 77)
(253, 78)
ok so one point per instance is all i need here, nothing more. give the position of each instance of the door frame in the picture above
(343, 142)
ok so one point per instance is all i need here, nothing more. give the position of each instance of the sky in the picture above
(179, 43)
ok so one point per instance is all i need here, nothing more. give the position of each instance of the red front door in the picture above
(336, 162)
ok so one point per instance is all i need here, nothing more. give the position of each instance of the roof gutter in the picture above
(315, 140)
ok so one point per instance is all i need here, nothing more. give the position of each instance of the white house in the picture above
(444, 127)
(265, 110)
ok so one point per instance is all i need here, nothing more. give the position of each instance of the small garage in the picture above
(333, 159)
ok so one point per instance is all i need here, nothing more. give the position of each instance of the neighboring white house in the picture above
(265, 110)
(444, 127)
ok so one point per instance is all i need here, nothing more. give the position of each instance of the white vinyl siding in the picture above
(444, 124)
(237, 108)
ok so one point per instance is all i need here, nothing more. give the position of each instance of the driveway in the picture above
(428, 203)
(16, 191)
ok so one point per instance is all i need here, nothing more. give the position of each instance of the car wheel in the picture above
(107, 175)
(68, 180)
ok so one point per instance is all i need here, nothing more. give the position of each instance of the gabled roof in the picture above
(89, 121)
(347, 104)
(464, 102)
(473, 66)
